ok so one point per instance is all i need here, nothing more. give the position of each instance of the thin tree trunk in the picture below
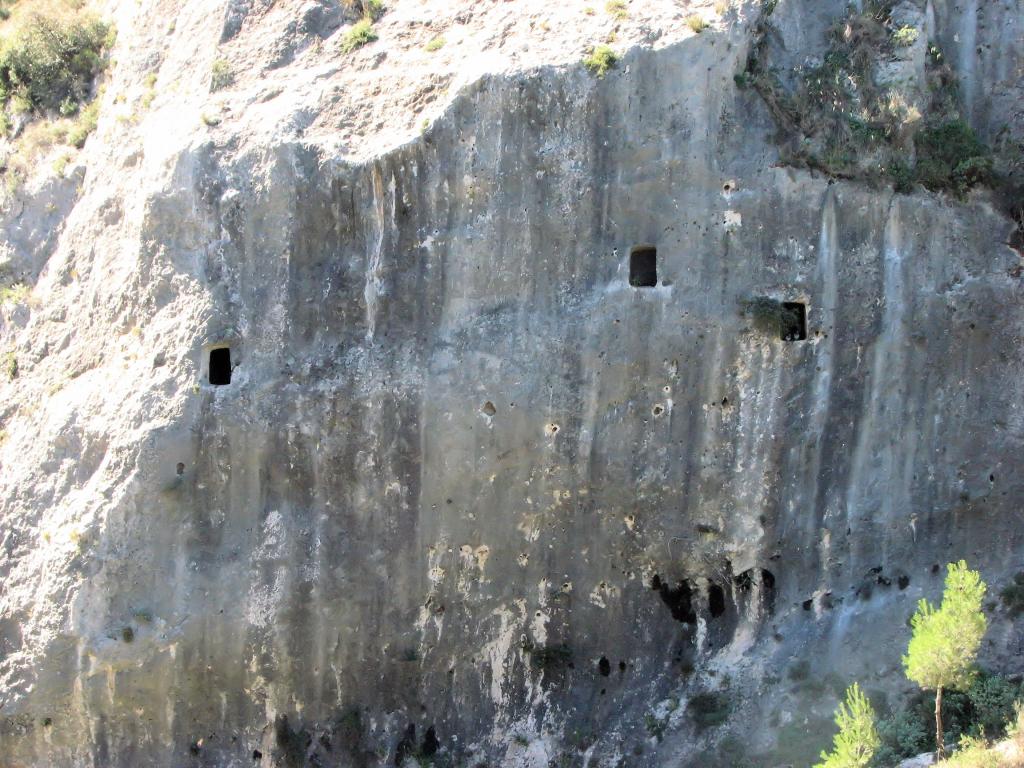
(940, 748)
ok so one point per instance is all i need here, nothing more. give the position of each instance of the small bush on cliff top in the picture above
(950, 157)
(696, 23)
(601, 60)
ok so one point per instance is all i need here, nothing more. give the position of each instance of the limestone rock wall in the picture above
(470, 496)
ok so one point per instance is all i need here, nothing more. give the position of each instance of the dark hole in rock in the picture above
(602, 691)
(47, 722)
(407, 746)
(935, 568)
(489, 409)
(643, 267)
(220, 366)
(794, 321)
(903, 581)
(716, 600)
(622, 666)
(430, 743)
(768, 588)
(257, 755)
(808, 604)
(180, 469)
(678, 600)
(127, 634)
(744, 581)
(195, 747)
(604, 666)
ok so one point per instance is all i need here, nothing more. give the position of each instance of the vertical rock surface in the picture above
(470, 495)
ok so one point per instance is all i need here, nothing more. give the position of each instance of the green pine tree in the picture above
(946, 639)
(857, 739)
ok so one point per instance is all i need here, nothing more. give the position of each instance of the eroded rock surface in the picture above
(470, 496)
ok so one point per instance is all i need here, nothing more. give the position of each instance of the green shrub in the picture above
(359, 35)
(15, 294)
(87, 121)
(903, 734)
(49, 62)
(992, 698)
(905, 36)
(903, 178)
(986, 708)
(617, 9)
(601, 60)
(709, 709)
(857, 739)
(11, 366)
(950, 157)
(1013, 595)
(221, 75)
(972, 171)
(434, 45)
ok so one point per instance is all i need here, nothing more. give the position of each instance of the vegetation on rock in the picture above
(221, 75)
(946, 639)
(1013, 595)
(600, 60)
(359, 35)
(857, 739)
(49, 63)
(840, 116)
(50, 56)
(696, 23)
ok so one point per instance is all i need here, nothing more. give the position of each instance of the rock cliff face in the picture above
(471, 496)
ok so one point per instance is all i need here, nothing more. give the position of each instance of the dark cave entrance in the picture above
(716, 600)
(220, 366)
(678, 600)
(794, 321)
(643, 266)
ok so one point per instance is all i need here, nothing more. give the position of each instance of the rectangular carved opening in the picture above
(794, 321)
(643, 267)
(220, 366)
